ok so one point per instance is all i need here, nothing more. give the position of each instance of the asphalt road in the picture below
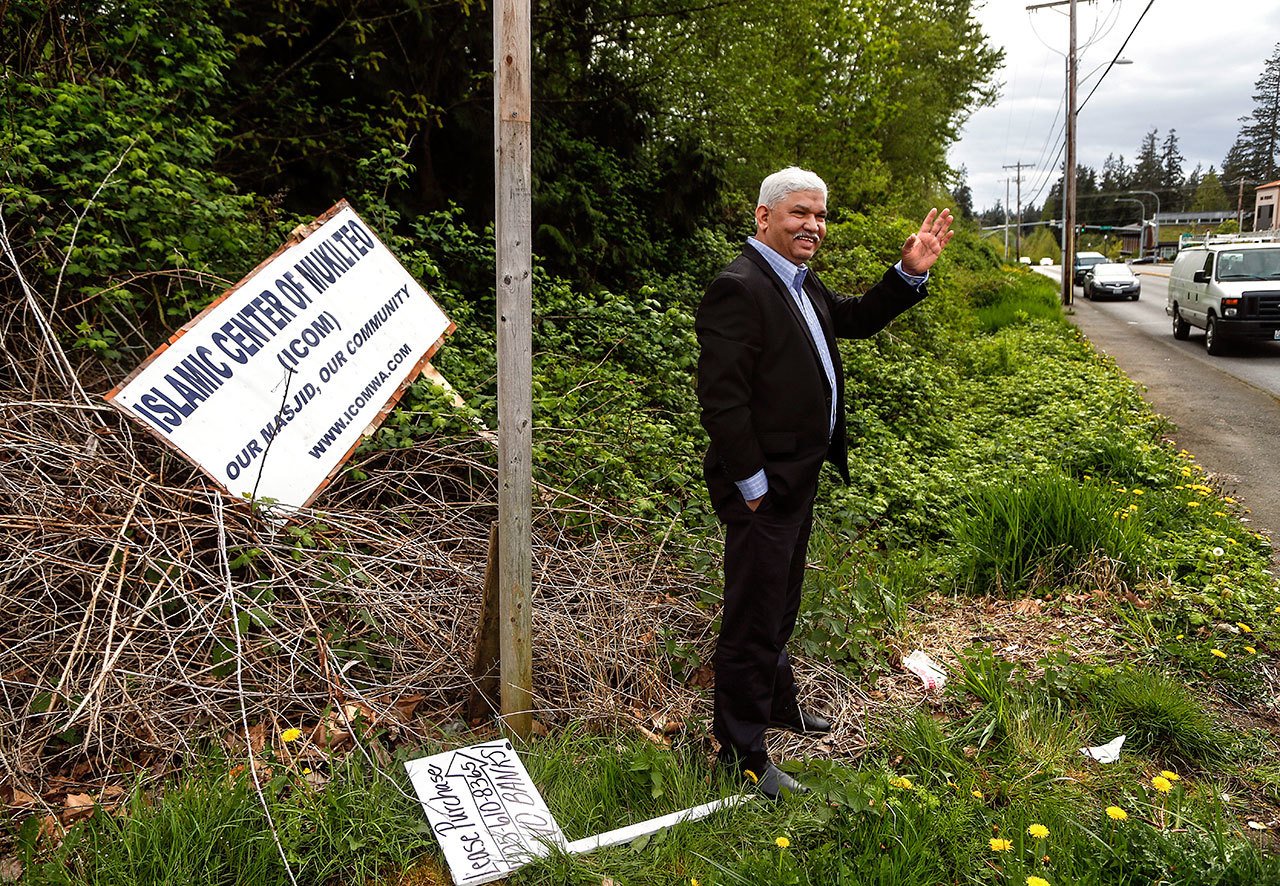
(1226, 409)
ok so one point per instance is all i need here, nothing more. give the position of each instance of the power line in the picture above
(1117, 55)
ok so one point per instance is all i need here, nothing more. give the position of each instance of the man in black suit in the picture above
(772, 395)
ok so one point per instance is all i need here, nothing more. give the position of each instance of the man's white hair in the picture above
(787, 181)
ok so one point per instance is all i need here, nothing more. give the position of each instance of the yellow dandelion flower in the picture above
(1228, 499)
(998, 845)
(291, 735)
(782, 842)
(1172, 776)
(693, 881)
(1115, 813)
(1038, 831)
(1186, 472)
(1244, 627)
(1179, 637)
(976, 794)
(755, 779)
(1218, 652)
(1162, 784)
(1037, 881)
(903, 784)
(1138, 492)
(1251, 650)
(1193, 504)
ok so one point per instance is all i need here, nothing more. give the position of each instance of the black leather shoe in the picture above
(776, 784)
(804, 723)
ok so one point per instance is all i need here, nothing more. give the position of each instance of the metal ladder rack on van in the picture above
(1272, 236)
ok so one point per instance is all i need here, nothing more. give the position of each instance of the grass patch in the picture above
(921, 811)
(1020, 299)
(1159, 714)
(1018, 536)
(211, 828)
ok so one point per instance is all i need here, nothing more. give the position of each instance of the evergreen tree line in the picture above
(1158, 168)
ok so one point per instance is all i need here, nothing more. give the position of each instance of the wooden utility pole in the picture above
(1069, 198)
(1006, 218)
(512, 145)
(1069, 177)
(1018, 236)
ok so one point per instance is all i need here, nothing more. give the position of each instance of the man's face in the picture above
(794, 228)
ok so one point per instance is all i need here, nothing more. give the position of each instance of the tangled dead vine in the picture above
(145, 613)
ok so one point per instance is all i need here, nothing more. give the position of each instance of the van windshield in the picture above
(1249, 264)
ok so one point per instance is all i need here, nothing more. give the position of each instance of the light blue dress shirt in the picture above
(792, 277)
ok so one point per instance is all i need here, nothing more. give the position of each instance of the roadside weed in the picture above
(1160, 714)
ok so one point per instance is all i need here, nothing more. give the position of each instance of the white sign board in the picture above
(491, 820)
(270, 388)
(483, 808)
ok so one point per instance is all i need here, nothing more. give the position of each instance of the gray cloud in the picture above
(1194, 67)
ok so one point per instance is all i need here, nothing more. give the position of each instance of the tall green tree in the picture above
(868, 92)
(1148, 168)
(962, 194)
(1172, 177)
(1255, 155)
(1209, 195)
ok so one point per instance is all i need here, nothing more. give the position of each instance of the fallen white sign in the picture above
(270, 388)
(490, 819)
(484, 810)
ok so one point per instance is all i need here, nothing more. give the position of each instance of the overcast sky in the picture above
(1194, 67)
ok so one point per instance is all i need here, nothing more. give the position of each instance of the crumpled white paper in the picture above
(924, 667)
(1107, 753)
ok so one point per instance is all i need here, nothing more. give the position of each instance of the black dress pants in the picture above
(764, 561)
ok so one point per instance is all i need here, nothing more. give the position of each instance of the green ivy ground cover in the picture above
(993, 453)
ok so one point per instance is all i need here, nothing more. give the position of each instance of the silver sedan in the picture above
(1111, 281)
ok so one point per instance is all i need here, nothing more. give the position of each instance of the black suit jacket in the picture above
(765, 399)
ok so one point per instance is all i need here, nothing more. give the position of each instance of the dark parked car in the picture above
(1113, 280)
(1082, 262)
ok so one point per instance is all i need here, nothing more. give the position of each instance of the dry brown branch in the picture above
(137, 623)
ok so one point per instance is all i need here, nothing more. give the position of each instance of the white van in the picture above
(1229, 286)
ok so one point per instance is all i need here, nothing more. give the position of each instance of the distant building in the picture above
(1174, 226)
(1190, 218)
(1264, 207)
(1132, 243)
